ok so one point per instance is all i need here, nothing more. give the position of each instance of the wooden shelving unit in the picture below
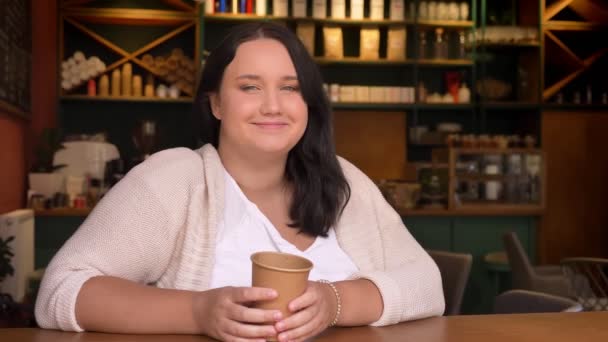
(573, 62)
(445, 62)
(445, 106)
(180, 20)
(447, 23)
(490, 210)
(127, 16)
(514, 45)
(454, 155)
(231, 17)
(67, 98)
(372, 106)
(361, 61)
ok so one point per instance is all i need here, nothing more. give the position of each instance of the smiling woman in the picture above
(266, 179)
(265, 108)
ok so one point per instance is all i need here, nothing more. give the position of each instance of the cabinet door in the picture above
(431, 232)
(482, 235)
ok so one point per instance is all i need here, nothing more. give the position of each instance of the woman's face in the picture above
(259, 102)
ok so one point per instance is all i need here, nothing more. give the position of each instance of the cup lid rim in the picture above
(302, 269)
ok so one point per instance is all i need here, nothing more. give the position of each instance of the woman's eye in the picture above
(248, 87)
(291, 88)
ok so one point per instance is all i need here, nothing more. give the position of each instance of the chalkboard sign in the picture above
(15, 56)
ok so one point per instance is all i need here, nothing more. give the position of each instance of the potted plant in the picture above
(7, 305)
(43, 179)
(12, 314)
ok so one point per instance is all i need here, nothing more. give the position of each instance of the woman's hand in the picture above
(223, 314)
(313, 312)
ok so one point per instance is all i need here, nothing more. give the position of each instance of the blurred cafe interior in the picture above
(483, 123)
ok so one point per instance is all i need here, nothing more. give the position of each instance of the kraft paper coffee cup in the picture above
(283, 272)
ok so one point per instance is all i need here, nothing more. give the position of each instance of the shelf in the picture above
(127, 16)
(372, 106)
(491, 45)
(60, 212)
(484, 177)
(359, 61)
(439, 106)
(563, 25)
(509, 105)
(446, 23)
(428, 145)
(496, 151)
(346, 21)
(575, 107)
(445, 62)
(242, 17)
(401, 106)
(86, 98)
(477, 210)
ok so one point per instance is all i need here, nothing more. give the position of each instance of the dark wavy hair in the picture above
(320, 188)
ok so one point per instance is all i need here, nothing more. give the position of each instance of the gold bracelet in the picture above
(338, 300)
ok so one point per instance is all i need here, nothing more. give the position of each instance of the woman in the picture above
(267, 178)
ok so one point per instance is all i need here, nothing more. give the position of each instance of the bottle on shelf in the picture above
(260, 7)
(576, 98)
(464, 93)
(116, 82)
(104, 86)
(356, 9)
(137, 86)
(588, 95)
(91, 88)
(319, 8)
(422, 46)
(422, 93)
(127, 72)
(523, 86)
(440, 47)
(462, 45)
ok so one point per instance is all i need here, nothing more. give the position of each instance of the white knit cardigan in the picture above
(158, 225)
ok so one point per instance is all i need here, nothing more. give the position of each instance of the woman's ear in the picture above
(214, 102)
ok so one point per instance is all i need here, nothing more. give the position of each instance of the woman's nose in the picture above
(270, 103)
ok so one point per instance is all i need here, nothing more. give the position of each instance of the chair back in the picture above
(522, 271)
(524, 301)
(455, 269)
(588, 278)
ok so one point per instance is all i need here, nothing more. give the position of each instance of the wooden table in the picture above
(585, 326)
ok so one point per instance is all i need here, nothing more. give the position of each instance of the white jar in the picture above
(423, 10)
(453, 11)
(493, 188)
(334, 92)
(432, 13)
(464, 11)
(442, 11)
(464, 94)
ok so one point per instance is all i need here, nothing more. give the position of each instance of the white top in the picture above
(159, 225)
(245, 230)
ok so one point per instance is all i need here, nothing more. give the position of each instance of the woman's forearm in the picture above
(110, 304)
(361, 302)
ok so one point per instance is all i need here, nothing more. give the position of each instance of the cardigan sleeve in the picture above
(131, 234)
(409, 281)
